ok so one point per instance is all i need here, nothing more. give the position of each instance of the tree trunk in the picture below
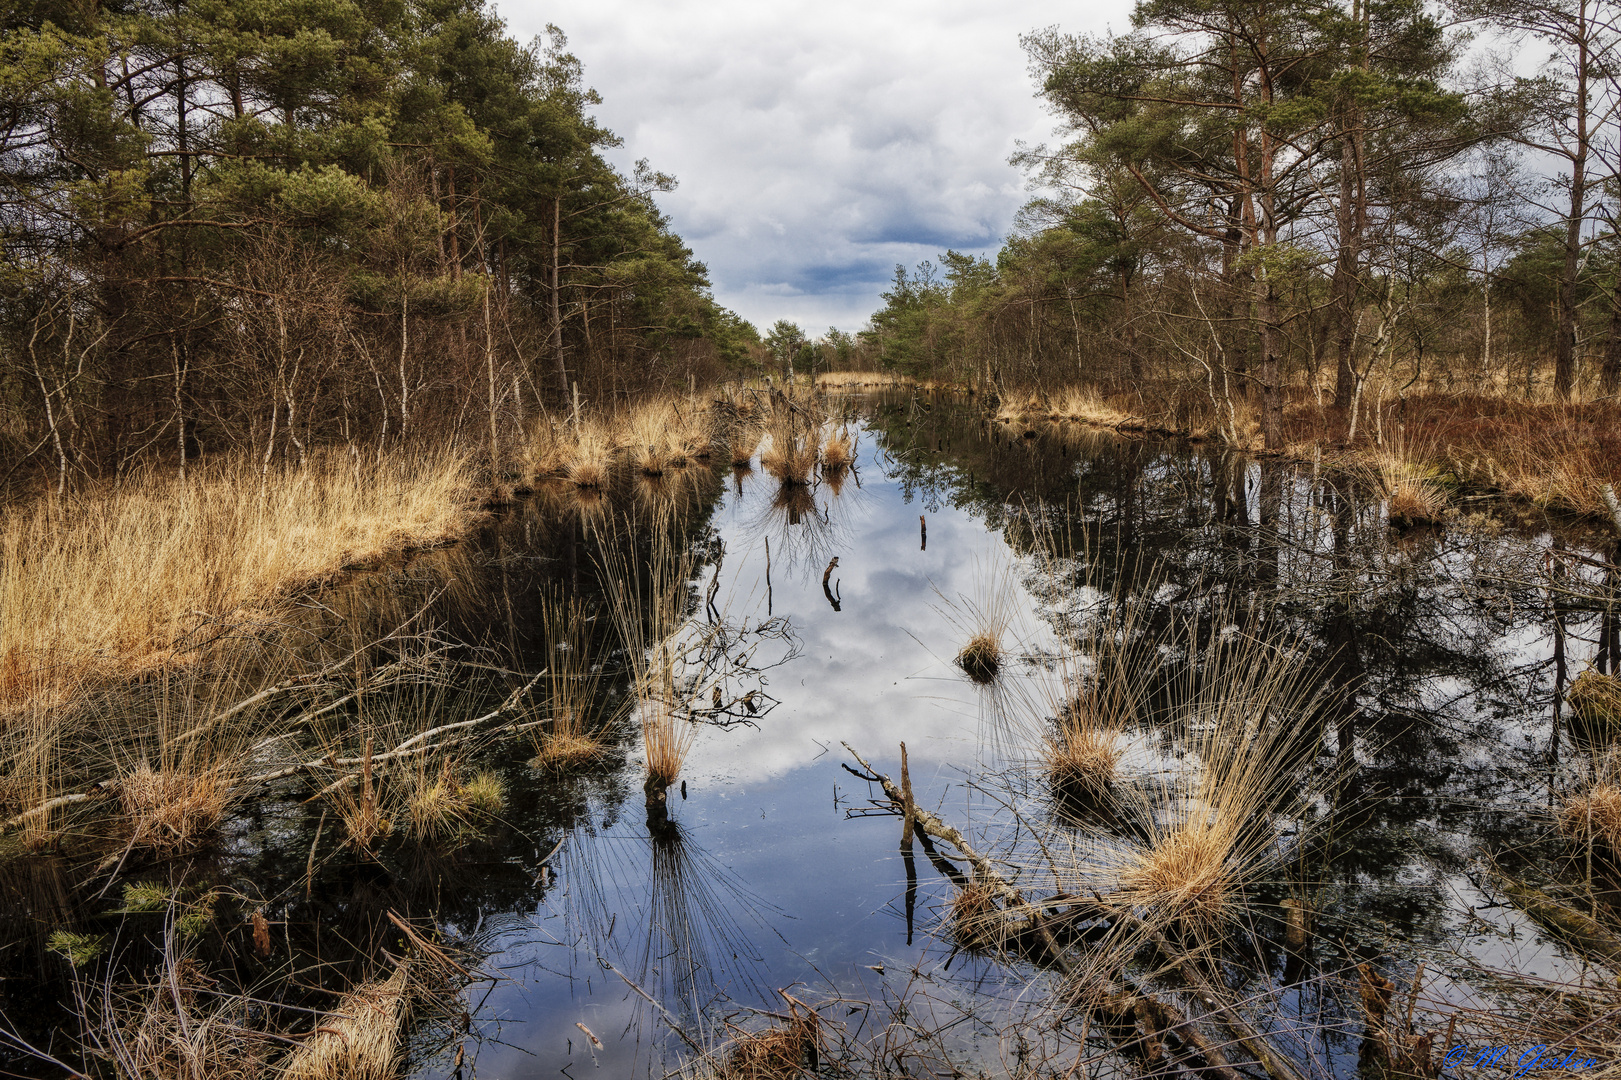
(1610, 372)
(556, 299)
(1564, 363)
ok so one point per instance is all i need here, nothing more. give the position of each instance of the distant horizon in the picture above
(817, 145)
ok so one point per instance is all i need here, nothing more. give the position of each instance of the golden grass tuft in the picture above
(744, 441)
(1184, 874)
(573, 689)
(444, 807)
(780, 1052)
(838, 452)
(981, 657)
(1595, 704)
(1594, 815)
(855, 380)
(1412, 486)
(565, 751)
(1083, 758)
(171, 810)
(591, 453)
(789, 457)
(360, 1038)
(131, 577)
(977, 921)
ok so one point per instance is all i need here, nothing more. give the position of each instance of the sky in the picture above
(817, 143)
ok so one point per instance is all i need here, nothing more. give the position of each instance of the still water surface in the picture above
(1439, 646)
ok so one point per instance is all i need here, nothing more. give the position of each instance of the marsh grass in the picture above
(360, 1039)
(789, 455)
(983, 618)
(649, 606)
(139, 576)
(1595, 705)
(1241, 710)
(838, 450)
(574, 686)
(1412, 483)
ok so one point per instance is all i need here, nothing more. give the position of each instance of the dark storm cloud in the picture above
(817, 143)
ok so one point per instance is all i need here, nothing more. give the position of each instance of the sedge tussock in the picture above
(981, 656)
(1082, 758)
(117, 582)
(744, 442)
(573, 689)
(1412, 486)
(1595, 705)
(590, 455)
(780, 1052)
(838, 452)
(850, 380)
(789, 456)
(360, 1038)
(649, 610)
(1594, 815)
(1212, 821)
(984, 619)
(170, 809)
(443, 806)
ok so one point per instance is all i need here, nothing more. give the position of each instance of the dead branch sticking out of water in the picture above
(1028, 928)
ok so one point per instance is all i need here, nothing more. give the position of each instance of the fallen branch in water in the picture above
(1156, 1016)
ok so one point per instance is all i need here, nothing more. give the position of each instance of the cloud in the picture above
(818, 142)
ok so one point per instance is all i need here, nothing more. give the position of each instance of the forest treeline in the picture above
(283, 224)
(1266, 201)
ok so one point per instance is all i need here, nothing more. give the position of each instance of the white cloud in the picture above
(818, 142)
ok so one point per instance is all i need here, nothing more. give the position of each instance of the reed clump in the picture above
(573, 691)
(648, 604)
(1595, 704)
(171, 810)
(851, 380)
(1594, 815)
(782, 1052)
(789, 456)
(1083, 755)
(591, 455)
(442, 806)
(984, 618)
(838, 452)
(360, 1038)
(1414, 494)
(981, 657)
(136, 576)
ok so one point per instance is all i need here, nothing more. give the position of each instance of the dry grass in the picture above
(441, 806)
(838, 451)
(573, 686)
(744, 441)
(981, 657)
(1083, 755)
(662, 434)
(1241, 718)
(360, 1038)
(781, 1052)
(852, 380)
(1411, 483)
(789, 456)
(171, 810)
(1594, 815)
(1595, 704)
(648, 604)
(977, 921)
(135, 577)
(591, 455)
